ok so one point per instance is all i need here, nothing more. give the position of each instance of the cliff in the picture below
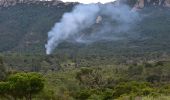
(7, 3)
(156, 3)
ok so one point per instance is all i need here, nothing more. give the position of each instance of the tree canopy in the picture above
(22, 85)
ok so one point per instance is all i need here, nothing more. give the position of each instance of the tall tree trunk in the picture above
(30, 96)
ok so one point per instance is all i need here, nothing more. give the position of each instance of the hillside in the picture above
(24, 28)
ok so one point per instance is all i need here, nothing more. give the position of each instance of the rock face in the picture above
(156, 3)
(140, 3)
(99, 19)
(143, 3)
(6, 3)
(167, 3)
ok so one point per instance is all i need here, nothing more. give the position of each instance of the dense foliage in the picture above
(109, 82)
(22, 85)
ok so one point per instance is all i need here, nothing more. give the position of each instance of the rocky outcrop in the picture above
(7, 3)
(157, 3)
(99, 19)
(167, 3)
(148, 3)
(139, 4)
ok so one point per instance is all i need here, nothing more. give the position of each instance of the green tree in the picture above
(153, 78)
(2, 69)
(25, 85)
(4, 88)
(91, 77)
(135, 70)
(36, 65)
(133, 87)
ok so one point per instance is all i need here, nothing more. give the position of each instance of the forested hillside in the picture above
(24, 28)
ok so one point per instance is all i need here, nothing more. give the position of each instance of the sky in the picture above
(89, 1)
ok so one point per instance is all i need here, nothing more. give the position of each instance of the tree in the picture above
(4, 88)
(133, 87)
(90, 77)
(135, 70)
(153, 78)
(24, 85)
(2, 69)
(36, 65)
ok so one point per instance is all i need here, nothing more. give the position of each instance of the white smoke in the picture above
(84, 16)
(80, 18)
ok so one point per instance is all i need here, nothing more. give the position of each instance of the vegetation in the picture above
(105, 83)
(136, 68)
(22, 85)
(2, 69)
(147, 80)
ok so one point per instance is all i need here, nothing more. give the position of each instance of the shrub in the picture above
(25, 85)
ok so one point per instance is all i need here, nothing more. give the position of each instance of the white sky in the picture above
(88, 1)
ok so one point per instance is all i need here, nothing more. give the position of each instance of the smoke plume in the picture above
(80, 18)
(84, 16)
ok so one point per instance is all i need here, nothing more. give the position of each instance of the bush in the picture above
(25, 85)
(22, 85)
(135, 88)
(4, 88)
